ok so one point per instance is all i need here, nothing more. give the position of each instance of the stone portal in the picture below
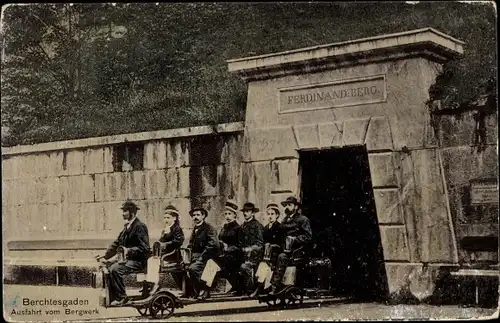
(368, 93)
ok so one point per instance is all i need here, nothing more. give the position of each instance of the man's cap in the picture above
(129, 205)
(199, 208)
(249, 207)
(231, 206)
(290, 199)
(172, 210)
(273, 206)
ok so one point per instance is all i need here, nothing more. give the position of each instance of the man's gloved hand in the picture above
(107, 262)
(101, 260)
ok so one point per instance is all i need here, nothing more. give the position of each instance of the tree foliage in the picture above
(73, 71)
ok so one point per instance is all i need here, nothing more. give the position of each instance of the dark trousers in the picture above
(177, 277)
(116, 273)
(281, 263)
(233, 277)
(195, 270)
(247, 273)
(230, 265)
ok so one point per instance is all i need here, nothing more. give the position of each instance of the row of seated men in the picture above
(236, 249)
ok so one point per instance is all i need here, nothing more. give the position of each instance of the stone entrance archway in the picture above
(368, 92)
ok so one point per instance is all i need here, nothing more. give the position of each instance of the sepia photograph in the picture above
(254, 161)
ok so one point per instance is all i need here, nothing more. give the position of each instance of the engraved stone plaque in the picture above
(484, 193)
(333, 94)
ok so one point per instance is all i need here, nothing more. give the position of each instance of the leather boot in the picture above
(256, 292)
(118, 302)
(204, 294)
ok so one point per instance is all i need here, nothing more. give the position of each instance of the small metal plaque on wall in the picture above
(484, 193)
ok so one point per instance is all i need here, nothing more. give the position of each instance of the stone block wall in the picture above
(466, 164)
(75, 194)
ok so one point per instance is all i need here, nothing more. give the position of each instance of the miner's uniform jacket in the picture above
(230, 259)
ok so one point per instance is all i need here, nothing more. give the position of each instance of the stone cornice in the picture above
(130, 137)
(426, 42)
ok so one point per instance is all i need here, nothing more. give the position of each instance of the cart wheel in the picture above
(294, 296)
(162, 306)
(143, 310)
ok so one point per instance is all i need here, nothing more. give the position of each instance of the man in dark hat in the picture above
(252, 244)
(230, 238)
(204, 245)
(134, 239)
(297, 229)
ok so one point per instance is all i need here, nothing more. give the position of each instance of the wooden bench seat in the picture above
(59, 244)
(56, 266)
(50, 262)
(476, 272)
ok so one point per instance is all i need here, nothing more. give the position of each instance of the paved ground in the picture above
(15, 298)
